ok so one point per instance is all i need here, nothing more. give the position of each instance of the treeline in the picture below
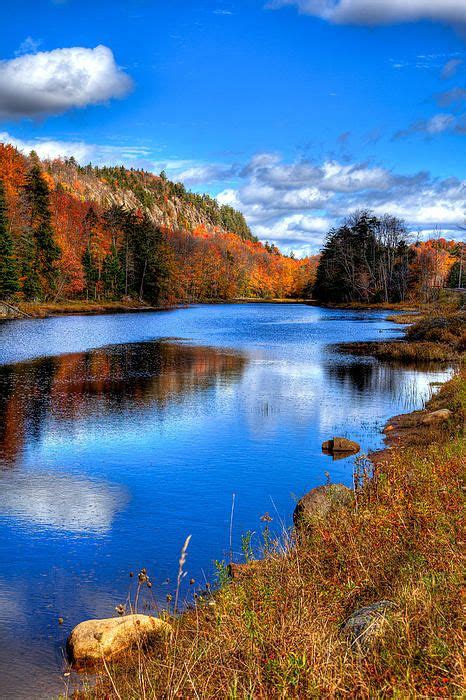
(60, 240)
(371, 259)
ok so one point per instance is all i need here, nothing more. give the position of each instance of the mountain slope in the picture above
(110, 232)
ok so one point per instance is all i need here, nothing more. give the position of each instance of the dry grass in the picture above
(408, 318)
(436, 337)
(275, 633)
(44, 309)
(403, 351)
(447, 330)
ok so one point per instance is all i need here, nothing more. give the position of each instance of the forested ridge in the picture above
(104, 233)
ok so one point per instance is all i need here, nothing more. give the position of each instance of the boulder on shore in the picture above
(339, 444)
(319, 501)
(437, 417)
(365, 625)
(94, 640)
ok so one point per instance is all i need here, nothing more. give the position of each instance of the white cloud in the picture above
(294, 204)
(379, 11)
(52, 82)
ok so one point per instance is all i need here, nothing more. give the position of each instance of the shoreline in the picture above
(90, 308)
(19, 310)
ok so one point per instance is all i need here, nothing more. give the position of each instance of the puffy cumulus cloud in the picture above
(294, 204)
(298, 232)
(374, 12)
(52, 82)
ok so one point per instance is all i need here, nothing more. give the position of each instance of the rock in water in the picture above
(437, 417)
(320, 500)
(365, 625)
(94, 640)
(339, 444)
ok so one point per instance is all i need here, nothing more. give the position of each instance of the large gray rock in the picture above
(437, 417)
(365, 625)
(94, 640)
(339, 444)
(319, 501)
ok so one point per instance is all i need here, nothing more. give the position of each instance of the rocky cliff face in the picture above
(167, 203)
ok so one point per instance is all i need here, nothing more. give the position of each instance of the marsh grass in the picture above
(79, 306)
(276, 631)
(436, 337)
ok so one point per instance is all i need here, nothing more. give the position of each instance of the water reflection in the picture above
(407, 384)
(59, 501)
(113, 380)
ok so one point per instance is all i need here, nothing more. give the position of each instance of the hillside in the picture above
(97, 233)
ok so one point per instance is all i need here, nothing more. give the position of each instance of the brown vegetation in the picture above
(432, 338)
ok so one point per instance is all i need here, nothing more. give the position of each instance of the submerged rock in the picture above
(437, 417)
(365, 625)
(320, 500)
(94, 640)
(339, 444)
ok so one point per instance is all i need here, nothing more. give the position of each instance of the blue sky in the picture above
(295, 111)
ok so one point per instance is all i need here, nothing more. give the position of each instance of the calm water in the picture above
(122, 434)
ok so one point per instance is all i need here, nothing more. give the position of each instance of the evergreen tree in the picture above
(112, 273)
(457, 276)
(9, 282)
(91, 270)
(91, 274)
(45, 250)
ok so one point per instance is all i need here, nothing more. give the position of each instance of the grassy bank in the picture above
(63, 308)
(432, 337)
(80, 306)
(275, 631)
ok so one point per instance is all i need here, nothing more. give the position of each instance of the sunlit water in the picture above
(122, 434)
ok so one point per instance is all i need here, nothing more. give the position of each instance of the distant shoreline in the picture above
(95, 308)
(91, 308)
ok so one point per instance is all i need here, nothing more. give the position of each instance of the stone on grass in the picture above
(319, 501)
(365, 626)
(94, 640)
(437, 417)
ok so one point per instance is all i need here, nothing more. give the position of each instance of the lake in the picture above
(120, 435)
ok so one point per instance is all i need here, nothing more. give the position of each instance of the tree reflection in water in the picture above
(112, 380)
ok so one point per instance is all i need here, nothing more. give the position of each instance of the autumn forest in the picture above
(109, 233)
